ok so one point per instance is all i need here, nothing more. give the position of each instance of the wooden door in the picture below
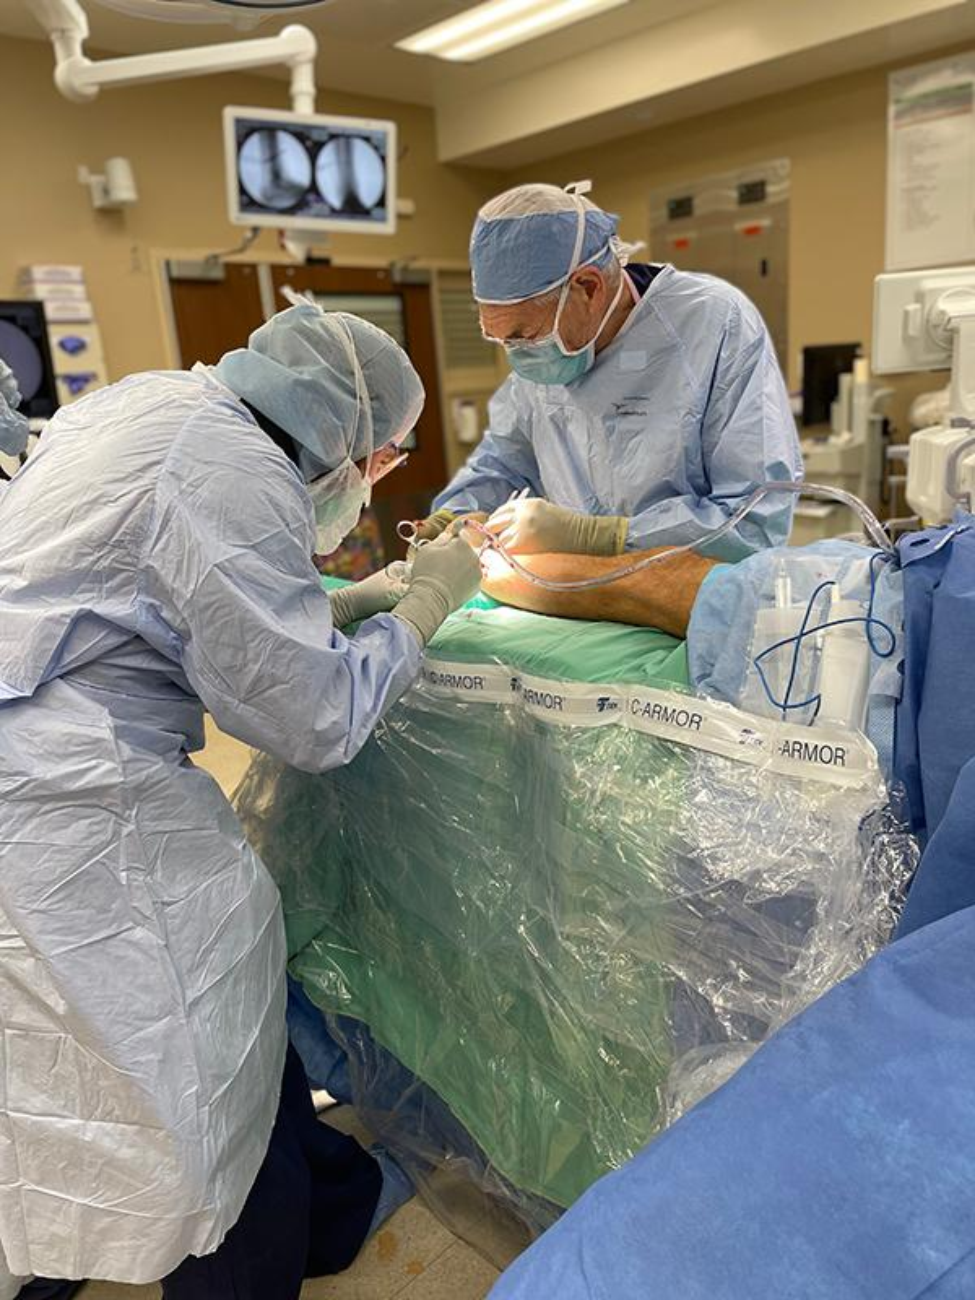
(214, 316)
(406, 312)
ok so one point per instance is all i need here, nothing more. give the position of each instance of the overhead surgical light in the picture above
(208, 11)
(80, 78)
(498, 25)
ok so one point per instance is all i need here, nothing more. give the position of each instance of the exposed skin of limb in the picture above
(660, 596)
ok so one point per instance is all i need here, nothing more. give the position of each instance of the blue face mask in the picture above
(548, 360)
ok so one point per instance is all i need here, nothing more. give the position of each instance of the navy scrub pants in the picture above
(307, 1214)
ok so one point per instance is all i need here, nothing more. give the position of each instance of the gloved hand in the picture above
(13, 426)
(377, 594)
(445, 575)
(429, 529)
(443, 521)
(459, 528)
(532, 526)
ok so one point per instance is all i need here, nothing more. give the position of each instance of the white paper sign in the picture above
(931, 164)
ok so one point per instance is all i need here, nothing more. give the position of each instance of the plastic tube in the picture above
(869, 622)
(871, 526)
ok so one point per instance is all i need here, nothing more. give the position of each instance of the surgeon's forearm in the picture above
(661, 596)
(500, 465)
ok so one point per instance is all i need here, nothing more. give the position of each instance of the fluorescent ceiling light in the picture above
(497, 25)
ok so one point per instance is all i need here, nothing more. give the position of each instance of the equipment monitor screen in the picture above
(294, 171)
(24, 346)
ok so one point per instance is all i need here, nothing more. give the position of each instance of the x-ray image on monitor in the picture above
(351, 175)
(274, 169)
(293, 171)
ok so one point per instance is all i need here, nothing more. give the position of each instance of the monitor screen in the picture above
(24, 347)
(822, 366)
(310, 172)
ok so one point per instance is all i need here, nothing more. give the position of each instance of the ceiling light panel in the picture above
(498, 25)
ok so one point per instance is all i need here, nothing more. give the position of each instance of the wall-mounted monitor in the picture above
(310, 172)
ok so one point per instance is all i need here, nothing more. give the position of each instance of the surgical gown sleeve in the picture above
(503, 462)
(741, 414)
(228, 587)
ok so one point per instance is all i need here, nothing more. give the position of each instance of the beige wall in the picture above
(835, 134)
(172, 134)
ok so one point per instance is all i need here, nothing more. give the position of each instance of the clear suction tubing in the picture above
(871, 527)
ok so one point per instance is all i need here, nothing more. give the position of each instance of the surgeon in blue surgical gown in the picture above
(646, 403)
(156, 562)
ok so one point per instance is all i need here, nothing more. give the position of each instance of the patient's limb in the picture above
(661, 595)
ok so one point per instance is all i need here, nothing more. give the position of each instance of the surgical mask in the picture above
(339, 499)
(548, 360)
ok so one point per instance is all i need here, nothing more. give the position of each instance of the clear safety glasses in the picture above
(383, 462)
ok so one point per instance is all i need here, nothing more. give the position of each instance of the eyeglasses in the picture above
(516, 341)
(384, 461)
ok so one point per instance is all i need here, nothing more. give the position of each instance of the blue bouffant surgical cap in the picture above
(524, 242)
(340, 386)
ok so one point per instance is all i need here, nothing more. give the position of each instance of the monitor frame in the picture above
(895, 292)
(235, 113)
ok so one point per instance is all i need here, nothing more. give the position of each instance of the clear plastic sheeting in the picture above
(546, 917)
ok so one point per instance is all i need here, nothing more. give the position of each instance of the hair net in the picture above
(340, 386)
(13, 426)
(524, 240)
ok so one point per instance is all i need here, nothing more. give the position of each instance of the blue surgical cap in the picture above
(340, 386)
(523, 242)
(13, 426)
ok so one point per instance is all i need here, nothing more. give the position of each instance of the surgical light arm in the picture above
(80, 79)
(955, 314)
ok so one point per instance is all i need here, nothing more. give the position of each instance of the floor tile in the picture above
(404, 1250)
(476, 1219)
(459, 1274)
(224, 758)
(115, 1291)
(414, 1257)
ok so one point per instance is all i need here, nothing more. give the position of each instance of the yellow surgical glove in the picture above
(532, 526)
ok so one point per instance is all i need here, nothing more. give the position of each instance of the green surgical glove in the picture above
(445, 575)
(429, 529)
(377, 594)
(532, 526)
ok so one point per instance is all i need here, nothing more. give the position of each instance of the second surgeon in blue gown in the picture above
(646, 402)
